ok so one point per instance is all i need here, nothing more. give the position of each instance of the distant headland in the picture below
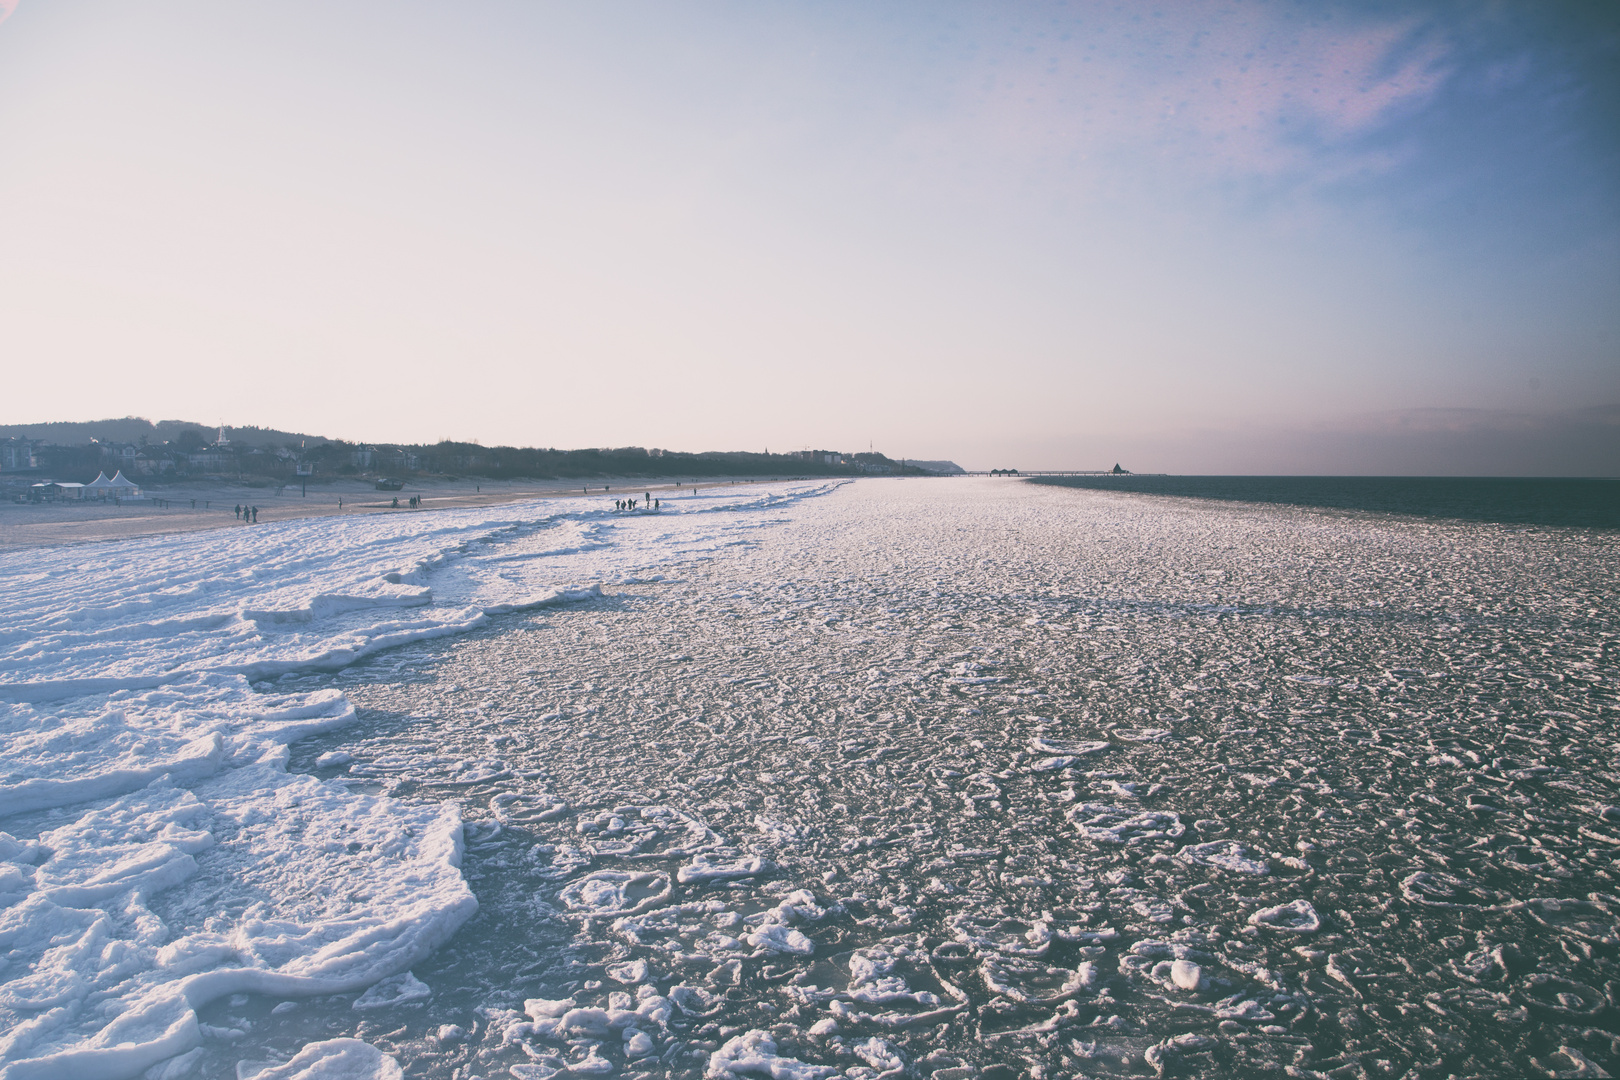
(179, 450)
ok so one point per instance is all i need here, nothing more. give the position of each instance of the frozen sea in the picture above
(953, 778)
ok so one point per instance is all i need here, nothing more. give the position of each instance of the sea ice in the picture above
(334, 1059)
(754, 1053)
(1434, 789)
(1225, 855)
(135, 699)
(1297, 916)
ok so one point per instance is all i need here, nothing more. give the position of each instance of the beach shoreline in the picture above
(195, 506)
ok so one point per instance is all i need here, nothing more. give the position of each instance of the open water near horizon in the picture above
(971, 779)
(1577, 502)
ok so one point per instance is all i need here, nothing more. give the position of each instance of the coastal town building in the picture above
(17, 455)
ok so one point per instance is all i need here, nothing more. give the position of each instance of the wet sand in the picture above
(192, 506)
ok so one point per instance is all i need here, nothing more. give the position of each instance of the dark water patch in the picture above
(1578, 502)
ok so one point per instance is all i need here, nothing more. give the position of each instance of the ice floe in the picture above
(1297, 916)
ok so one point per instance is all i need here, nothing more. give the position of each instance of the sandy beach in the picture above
(196, 505)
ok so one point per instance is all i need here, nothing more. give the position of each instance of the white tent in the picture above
(99, 488)
(116, 488)
(123, 488)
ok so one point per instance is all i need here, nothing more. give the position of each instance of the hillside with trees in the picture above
(175, 449)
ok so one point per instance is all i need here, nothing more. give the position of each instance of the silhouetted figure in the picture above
(238, 511)
(657, 503)
(255, 515)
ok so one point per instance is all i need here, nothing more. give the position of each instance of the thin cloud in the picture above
(1233, 89)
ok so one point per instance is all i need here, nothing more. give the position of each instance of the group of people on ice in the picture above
(647, 503)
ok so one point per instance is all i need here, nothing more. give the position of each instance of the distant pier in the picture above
(1057, 472)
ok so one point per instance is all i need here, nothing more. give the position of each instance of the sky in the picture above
(1198, 237)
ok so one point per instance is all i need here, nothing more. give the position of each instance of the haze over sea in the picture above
(947, 778)
(1588, 502)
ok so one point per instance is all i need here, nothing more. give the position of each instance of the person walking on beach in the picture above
(255, 515)
(340, 504)
(238, 511)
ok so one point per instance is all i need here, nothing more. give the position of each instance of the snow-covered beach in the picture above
(801, 779)
(196, 505)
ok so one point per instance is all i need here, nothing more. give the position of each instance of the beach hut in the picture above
(53, 490)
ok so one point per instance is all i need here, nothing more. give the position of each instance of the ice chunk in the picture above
(511, 808)
(1590, 920)
(1224, 854)
(881, 1055)
(1186, 974)
(611, 893)
(394, 990)
(1103, 824)
(287, 837)
(873, 981)
(1435, 889)
(335, 1059)
(1297, 916)
(632, 972)
(782, 939)
(706, 867)
(1068, 749)
(637, 1043)
(753, 1053)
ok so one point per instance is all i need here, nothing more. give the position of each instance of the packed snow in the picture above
(943, 778)
(172, 859)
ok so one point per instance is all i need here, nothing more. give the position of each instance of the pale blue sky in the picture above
(1268, 237)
